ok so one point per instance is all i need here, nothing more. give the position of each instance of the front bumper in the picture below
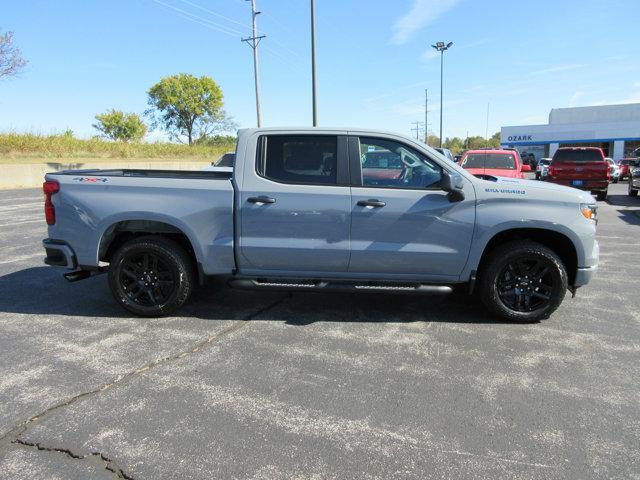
(585, 274)
(59, 254)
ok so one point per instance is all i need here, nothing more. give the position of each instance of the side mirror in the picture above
(526, 168)
(452, 183)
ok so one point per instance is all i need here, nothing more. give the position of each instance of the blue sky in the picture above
(374, 59)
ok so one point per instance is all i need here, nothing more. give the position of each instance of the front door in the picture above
(295, 206)
(402, 222)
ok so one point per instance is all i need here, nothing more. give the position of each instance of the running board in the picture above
(325, 286)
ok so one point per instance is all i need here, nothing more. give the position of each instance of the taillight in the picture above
(551, 171)
(49, 188)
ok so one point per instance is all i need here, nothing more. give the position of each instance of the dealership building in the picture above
(614, 128)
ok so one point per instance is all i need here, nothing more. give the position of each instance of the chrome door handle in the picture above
(372, 202)
(261, 199)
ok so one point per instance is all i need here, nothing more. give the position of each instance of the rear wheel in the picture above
(601, 195)
(523, 281)
(151, 276)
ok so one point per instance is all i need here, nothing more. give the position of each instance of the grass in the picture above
(35, 148)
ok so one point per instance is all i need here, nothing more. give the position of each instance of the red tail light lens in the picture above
(551, 171)
(49, 188)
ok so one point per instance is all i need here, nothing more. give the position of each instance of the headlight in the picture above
(589, 210)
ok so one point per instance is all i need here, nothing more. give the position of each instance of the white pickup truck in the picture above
(322, 209)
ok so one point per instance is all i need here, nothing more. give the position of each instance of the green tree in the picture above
(494, 141)
(117, 125)
(188, 107)
(433, 141)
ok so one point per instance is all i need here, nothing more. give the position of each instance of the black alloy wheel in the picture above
(147, 279)
(151, 276)
(526, 284)
(522, 281)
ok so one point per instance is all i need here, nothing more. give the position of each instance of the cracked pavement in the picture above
(257, 385)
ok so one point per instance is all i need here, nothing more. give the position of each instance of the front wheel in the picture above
(523, 281)
(151, 276)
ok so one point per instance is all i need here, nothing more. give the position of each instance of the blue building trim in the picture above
(547, 142)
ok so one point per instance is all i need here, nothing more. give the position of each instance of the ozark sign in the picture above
(519, 138)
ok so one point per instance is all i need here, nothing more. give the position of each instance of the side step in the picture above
(82, 274)
(339, 286)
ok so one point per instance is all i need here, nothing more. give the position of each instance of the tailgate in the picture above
(581, 170)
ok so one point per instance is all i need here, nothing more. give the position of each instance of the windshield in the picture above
(499, 161)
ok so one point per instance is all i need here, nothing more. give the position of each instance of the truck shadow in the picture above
(43, 291)
(631, 216)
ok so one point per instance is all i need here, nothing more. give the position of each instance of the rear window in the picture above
(301, 159)
(577, 156)
(501, 161)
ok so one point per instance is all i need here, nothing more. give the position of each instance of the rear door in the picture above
(295, 205)
(402, 222)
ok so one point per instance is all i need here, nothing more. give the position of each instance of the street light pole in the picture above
(441, 47)
(313, 64)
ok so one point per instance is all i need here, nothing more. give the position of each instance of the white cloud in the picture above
(558, 68)
(422, 13)
(575, 97)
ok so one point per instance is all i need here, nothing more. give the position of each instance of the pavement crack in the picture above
(106, 462)
(15, 432)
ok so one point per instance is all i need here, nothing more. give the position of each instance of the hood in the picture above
(548, 190)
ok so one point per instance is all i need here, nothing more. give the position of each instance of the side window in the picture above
(303, 159)
(386, 163)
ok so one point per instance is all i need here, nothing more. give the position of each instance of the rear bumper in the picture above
(588, 185)
(59, 254)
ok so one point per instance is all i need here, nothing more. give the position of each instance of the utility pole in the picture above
(426, 118)
(313, 65)
(417, 129)
(486, 132)
(253, 42)
(441, 47)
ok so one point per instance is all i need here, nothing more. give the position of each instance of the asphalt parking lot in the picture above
(283, 386)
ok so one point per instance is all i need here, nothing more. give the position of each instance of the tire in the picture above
(518, 259)
(633, 192)
(615, 180)
(537, 176)
(151, 276)
(602, 196)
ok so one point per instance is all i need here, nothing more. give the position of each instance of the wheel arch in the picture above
(557, 241)
(119, 232)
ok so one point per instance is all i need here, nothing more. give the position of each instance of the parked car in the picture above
(625, 164)
(614, 170)
(581, 167)
(634, 179)
(457, 158)
(499, 163)
(542, 168)
(300, 211)
(447, 153)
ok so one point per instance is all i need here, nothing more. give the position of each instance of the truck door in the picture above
(295, 205)
(402, 222)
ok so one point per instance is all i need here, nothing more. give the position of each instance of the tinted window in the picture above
(501, 161)
(391, 164)
(578, 156)
(304, 159)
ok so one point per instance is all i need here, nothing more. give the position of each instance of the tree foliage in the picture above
(188, 107)
(457, 145)
(11, 61)
(117, 125)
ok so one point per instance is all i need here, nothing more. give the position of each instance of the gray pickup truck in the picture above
(319, 210)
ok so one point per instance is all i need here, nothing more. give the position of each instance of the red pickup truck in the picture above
(581, 167)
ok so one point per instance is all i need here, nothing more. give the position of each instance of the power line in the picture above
(201, 20)
(199, 7)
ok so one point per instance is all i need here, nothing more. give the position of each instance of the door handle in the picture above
(372, 202)
(261, 199)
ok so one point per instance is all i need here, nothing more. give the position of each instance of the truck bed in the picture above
(127, 172)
